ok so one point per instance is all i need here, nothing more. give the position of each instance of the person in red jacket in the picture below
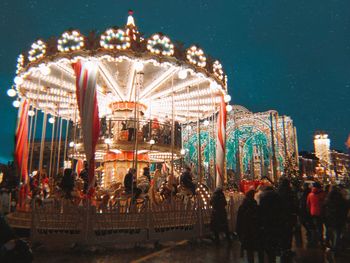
(315, 202)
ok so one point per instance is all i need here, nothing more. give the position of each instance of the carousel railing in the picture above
(125, 130)
(64, 224)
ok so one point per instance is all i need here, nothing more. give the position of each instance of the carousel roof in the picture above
(187, 79)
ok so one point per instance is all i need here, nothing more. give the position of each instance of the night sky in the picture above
(291, 56)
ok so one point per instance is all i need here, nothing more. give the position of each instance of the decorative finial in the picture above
(130, 21)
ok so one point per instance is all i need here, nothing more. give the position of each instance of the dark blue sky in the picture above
(292, 56)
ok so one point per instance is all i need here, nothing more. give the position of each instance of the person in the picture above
(144, 182)
(167, 130)
(58, 177)
(45, 185)
(130, 184)
(67, 183)
(12, 249)
(84, 175)
(315, 201)
(146, 173)
(247, 226)
(271, 223)
(218, 219)
(186, 180)
(131, 125)
(335, 216)
(289, 216)
(304, 215)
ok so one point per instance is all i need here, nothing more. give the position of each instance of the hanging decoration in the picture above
(21, 150)
(196, 56)
(221, 144)
(38, 50)
(86, 75)
(160, 45)
(70, 41)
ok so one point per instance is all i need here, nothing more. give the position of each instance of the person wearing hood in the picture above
(218, 220)
(315, 202)
(248, 225)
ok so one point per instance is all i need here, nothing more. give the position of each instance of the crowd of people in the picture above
(270, 217)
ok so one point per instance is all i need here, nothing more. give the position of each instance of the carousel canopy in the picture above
(174, 79)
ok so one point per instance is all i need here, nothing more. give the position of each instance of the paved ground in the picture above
(182, 251)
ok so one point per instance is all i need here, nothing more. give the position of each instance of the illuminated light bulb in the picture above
(213, 85)
(139, 66)
(45, 70)
(31, 113)
(52, 120)
(11, 92)
(228, 108)
(183, 151)
(16, 104)
(108, 141)
(71, 144)
(227, 98)
(152, 142)
(182, 74)
(206, 123)
(18, 80)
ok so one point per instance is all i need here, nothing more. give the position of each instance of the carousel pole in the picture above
(34, 131)
(42, 144)
(188, 125)
(171, 179)
(59, 146)
(66, 140)
(55, 145)
(51, 148)
(30, 130)
(74, 134)
(199, 149)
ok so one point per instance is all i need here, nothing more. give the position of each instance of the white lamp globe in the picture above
(52, 120)
(16, 104)
(18, 80)
(11, 92)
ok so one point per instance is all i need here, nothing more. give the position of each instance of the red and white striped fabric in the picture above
(79, 166)
(220, 144)
(86, 75)
(21, 150)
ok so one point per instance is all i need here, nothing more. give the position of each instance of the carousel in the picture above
(118, 100)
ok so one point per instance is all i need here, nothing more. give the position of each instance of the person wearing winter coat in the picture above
(315, 201)
(218, 220)
(289, 215)
(271, 222)
(304, 215)
(335, 216)
(186, 180)
(247, 226)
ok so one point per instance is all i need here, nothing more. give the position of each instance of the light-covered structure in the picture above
(322, 150)
(257, 144)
